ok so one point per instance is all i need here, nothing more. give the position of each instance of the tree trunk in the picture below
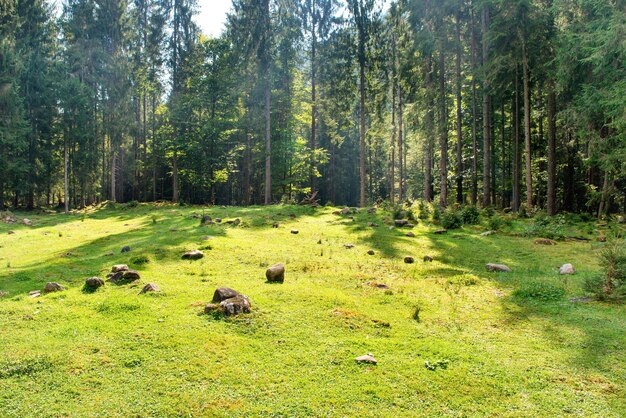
(529, 174)
(459, 133)
(175, 177)
(429, 122)
(443, 131)
(392, 191)
(516, 156)
(313, 101)
(362, 172)
(474, 114)
(268, 146)
(113, 170)
(486, 103)
(401, 156)
(551, 151)
(66, 183)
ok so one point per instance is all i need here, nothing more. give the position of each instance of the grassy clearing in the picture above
(477, 349)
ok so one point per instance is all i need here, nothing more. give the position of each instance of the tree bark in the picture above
(516, 156)
(551, 205)
(529, 174)
(459, 133)
(66, 183)
(362, 172)
(443, 131)
(401, 156)
(429, 122)
(268, 146)
(313, 98)
(474, 112)
(486, 105)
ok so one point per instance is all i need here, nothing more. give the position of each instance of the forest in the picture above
(515, 104)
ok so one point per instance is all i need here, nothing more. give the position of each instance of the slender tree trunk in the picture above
(516, 156)
(529, 174)
(551, 151)
(392, 191)
(474, 111)
(503, 154)
(175, 192)
(362, 171)
(459, 133)
(604, 195)
(429, 122)
(66, 183)
(313, 101)
(113, 177)
(443, 131)
(401, 154)
(486, 105)
(268, 146)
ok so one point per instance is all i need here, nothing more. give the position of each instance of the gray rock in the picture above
(567, 269)
(275, 225)
(94, 282)
(206, 220)
(218, 220)
(223, 293)
(487, 233)
(348, 246)
(498, 268)
(400, 222)
(125, 249)
(372, 224)
(234, 306)
(440, 231)
(409, 260)
(131, 275)
(34, 293)
(119, 267)
(410, 234)
(428, 259)
(345, 211)
(368, 359)
(294, 231)
(150, 287)
(276, 273)
(371, 252)
(53, 287)
(115, 277)
(193, 255)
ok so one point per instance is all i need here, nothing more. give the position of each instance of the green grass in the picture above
(482, 346)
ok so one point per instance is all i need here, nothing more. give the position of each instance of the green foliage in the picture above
(470, 215)
(546, 227)
(24, 367)
(452, 219)
(613, 258)
(424, 210)
(436, 217)
(539, 290)
(437, 364)
(139, 260)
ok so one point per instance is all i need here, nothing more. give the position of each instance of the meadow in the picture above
(451, 338)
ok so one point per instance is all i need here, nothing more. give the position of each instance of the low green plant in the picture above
(424, 210)
(140, 260)
(451, 219)
(539, 290)
(436, 217)
(470, 215)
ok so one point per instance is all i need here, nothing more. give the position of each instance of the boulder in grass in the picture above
(487, 233)
(410, 234)
(94, 282)
(276, 273)
(400, 222)
(234, 306)
(428, 259)
(119, 267)
(345, 211)
(348, 246)
(440, 231)
(34, 293)
(131, 275)
(409, 260)
(223, 293)
(150, 287)
(275, 225)
(544, 241)
(53, 287)
(218, 220)
(367, 359)
(206, 220)
(193, 255)
(295, 231)
(410, 225)
(125, 249)
(371, 252)
(502, 268)
(567, 269)
(115, 277)
(372, 224)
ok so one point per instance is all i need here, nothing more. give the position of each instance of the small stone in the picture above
(294, 231)
(276, 273)
(410, 234)
(498, 268)
(440, 231)
(275, 225)
(544, 241)
(119, 267)
(236, 305)
(27, 222)
(337, 212)
(109, 254)
(53, 287)
(371, 252)
(428, 259)
(94, 282)
(410, 225)
(400, 222)
(348, 246)
(409, 260)
(487, 233)
(223, 293)
(206, 237)
(206, 220)
(115, 277)
(567, 269)
(218, 220)
(131, 275)
(125, 249)
(150, 287)
(345, 211)
(34, 293)
(193, 255)
(368, 358)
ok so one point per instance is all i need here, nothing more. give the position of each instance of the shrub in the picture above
(489, 212)
(470, 215)
(540, 290)
(613, 260)
(495, 223)
(436, 215)
(139, 260)
(424, 210)
(451, 219)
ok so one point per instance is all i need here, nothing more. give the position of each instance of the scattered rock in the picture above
(206, 220)
(236, 221)
(372, 224)
(410, 225)
(376, 285)
(371, 252)
(410, 234)
(27, 222)
(193, 255)
(544, 241)
(567, 269)
(275, 225)
(337, 212)
(119, 267)
(150, 287)
(498, 268)
(53, 287)
(428, 259)
(115, 277)
(294, 231)
(94, 282)
(409, 260)
(223, 293)
(348, 246)
(131, 275)
(440, 231)
(109, 254)
(345, 211)
(368, 358)
(206, 237)
(276, 273)
(319, 241)
(125, 249)
(236, 305)
(218, 220)
(400, 222)
(34, 293)
(487, 233)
